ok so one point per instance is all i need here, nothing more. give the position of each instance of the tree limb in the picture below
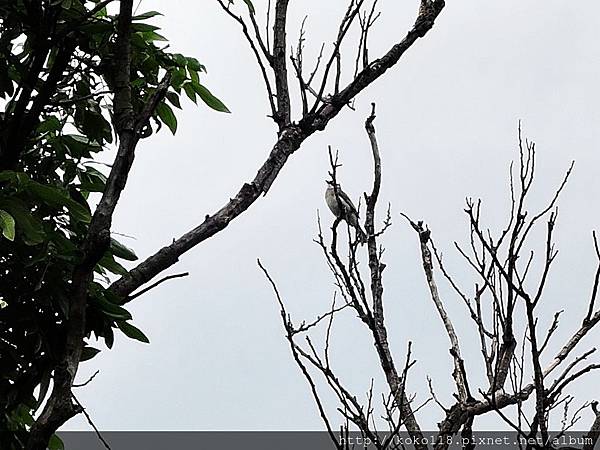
(289, 140)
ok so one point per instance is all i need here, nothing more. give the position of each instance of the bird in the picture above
(342, 207)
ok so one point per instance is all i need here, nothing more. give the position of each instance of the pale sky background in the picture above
(447, 120)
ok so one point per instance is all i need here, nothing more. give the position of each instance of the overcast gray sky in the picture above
(447, 120)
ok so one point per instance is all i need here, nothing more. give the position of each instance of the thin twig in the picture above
(91, 422)
(153, 285)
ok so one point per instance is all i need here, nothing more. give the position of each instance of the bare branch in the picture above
(283, 117)
(257, 56)
(287, 326)
(289, 140)
(92, 424)
(459, 374)
(153, 285)
(85, 383)
(572, 343)
(588, 317)
(594, 432)
(551, 330)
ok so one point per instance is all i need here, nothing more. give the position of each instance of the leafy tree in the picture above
(59, 65)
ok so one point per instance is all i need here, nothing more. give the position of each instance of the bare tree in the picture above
(504, 311)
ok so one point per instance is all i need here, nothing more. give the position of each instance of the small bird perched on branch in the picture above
(342, 207)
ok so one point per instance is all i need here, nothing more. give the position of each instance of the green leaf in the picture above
(109, 337)
(146, 15)
(210, 99)
(195, 65)
(177, 78)
(132, 332)
(167, 116)
(80, 146)
(179, 59)
(194, 76)
(55, 443)
(32, 229)
(7, 225)
(110, 309)
(97, 27)
(150, 36)
(56, 197)
(189, 91)
(109, 263)
(7, 175)
(121, 251)
(95, 126)
(92, 180)
(50, 124)
(143, 27)
(23, 414)
(88, 353)
(15, 178)
(174, 99)
(62, 248)
(102, 13)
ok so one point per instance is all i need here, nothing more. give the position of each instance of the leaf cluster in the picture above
(57, 70)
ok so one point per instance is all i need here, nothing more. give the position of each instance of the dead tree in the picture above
(503, 309)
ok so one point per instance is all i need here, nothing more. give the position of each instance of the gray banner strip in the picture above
(289, 440)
